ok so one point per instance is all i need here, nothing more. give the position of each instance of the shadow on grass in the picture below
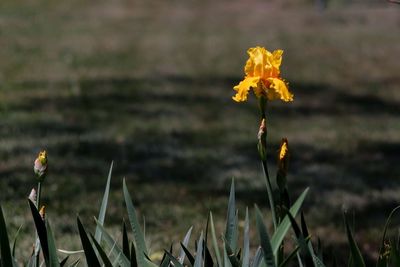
(177, 129)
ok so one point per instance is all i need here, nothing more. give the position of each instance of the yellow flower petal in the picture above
(256, 64)
(276, 58)
(242, 89)
(278, 90)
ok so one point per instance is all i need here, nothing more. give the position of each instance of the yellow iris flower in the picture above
(263, 75)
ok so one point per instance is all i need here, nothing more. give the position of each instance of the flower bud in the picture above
(42, 212)
(283, 162)
(32, 196)
(261, 136)
(40, 165)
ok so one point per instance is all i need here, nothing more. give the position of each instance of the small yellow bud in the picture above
(284, 149)
(40, 165)
(283, 162)
(42, 212)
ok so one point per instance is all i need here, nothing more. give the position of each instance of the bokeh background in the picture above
(148, 85)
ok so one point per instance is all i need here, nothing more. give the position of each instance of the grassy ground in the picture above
(148, 85)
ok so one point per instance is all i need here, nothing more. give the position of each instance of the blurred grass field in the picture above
(148, 84)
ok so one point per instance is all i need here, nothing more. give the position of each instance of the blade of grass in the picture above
(357, 258)
(198, 261)
(125, 241)
(103, 255)
(246, 241)
(257, 258)
(103, 207)
(231, 255)
(133, 256)
(231, 225)
(53, 258)
(184, 244)
(115, 249)
(137, 231)
(214, 241)
(64, 261)
(290, 257)
(41, 230)
(15, 240)
(6, 256)
(269, 258)
(382, 261)
(90, 254)
(188, 254)
(284, 226)
(174, 261)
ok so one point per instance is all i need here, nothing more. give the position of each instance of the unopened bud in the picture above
(40, 165)
(42, 212)
(283, 162)
(32, 196)
(261, 136)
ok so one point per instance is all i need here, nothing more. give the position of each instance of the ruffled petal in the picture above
(276, 58)
(278, 90)
(255, 65)
(242, 89)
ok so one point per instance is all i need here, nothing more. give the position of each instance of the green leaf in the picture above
(90, 254)
(165, 261)
(41, 230)
(317, 261)
(264, 240)
(395, 255)
(214, 241)
(137, 231)
(289, 257)
(188, 254)
(64, 261)
(125, 241)
(133, 255)
(198, 260)
(227, 262)
(257, 258)
(208, 261)
(246, 241)
(357, 258)
(231, 219)
(184, 243)
(112, 244)
(15, 241)
(231, 255)
(53, 258)
(6, 257)
(75, 263)
(284, 226)
(174, 261)
(102, 253)
(382, 261)
(103, 207)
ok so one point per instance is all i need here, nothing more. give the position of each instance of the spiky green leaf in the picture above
(103, 207)
(90, 254)
(357, 258)
(137, 231)
(264, 240)
(284, 226)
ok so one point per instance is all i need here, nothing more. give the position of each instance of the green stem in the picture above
(263, 107)
(38, 195)
(269, 192)
(37, 242)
